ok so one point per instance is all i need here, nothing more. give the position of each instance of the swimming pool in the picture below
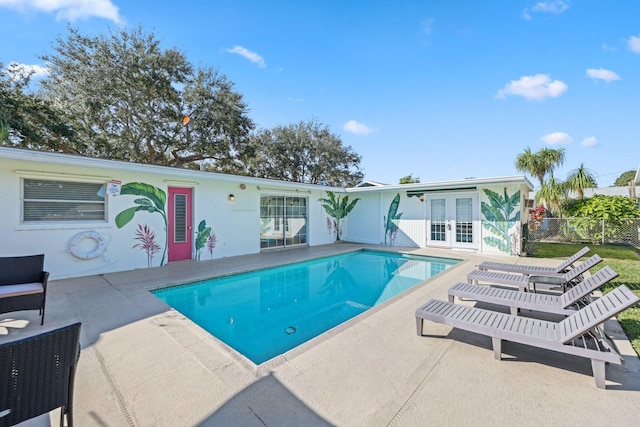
(264, 313)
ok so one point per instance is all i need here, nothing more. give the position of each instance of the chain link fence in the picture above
(582, 230)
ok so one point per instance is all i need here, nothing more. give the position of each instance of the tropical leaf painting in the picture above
(337, 207)
(146, 239)
(390, 221)
(498, 219)
(151, 199)
(202, 236)
(212, 241)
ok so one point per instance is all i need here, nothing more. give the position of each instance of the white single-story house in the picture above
(93, 216)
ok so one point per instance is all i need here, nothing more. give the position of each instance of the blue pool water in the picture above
(265, 313)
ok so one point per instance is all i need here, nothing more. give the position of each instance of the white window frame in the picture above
(54, 179)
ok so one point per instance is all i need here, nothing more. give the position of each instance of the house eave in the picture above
(171, 174)
(459, 185)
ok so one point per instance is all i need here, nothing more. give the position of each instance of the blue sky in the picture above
(440, 89)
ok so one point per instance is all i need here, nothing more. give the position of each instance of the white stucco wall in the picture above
(236, 224)
(365, 220)
(411, 225)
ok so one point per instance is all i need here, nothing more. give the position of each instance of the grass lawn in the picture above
(625, 260)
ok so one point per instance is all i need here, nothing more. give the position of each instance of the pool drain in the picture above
(290, 330)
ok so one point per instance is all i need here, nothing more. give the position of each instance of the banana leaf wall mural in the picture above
(390, 221)
(205, 238)
(151, 199)
(337, 207)
(498, 219)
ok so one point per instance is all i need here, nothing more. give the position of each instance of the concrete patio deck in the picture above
(144, 364)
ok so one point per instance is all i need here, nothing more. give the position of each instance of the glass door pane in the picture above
(271, 221)
(438, 220)
(283, 221)
(296, 220)
(464, 220)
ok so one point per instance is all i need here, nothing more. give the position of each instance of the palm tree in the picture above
(551, 194)
(550, 158)
(579, 179)
(541, 163)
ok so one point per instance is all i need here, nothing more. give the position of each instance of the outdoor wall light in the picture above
(231, 197)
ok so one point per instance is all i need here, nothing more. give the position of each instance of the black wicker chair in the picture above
(37, 375)
(23, 270)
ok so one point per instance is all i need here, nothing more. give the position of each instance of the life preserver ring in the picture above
(76, 251)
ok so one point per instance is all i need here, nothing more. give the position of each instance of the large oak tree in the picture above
(129, 99)
(26, 119)
(304, 152)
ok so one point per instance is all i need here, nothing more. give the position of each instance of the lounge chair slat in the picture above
(502, 322)
(602, 309)
(534, 269)
(547, 281)
(539, 333)
(559, 304)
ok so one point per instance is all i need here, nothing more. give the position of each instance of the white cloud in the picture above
(634, 44)
(70, 10)
(554, 7)
(295, 99)
(18, 70)
(535, 87)
(589, 142)
(607, 48)
(556, 138)
(246, 53)
(357, 128)
(427, 26)
(602, 74)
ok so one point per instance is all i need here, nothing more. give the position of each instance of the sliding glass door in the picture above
(283, 221)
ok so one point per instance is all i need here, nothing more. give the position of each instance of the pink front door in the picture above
(180, 224)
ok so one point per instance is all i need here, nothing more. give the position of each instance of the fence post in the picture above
(603, 231)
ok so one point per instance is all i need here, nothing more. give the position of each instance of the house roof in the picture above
(368, 183)
(262, 183)
(462, 184)
(166, 171)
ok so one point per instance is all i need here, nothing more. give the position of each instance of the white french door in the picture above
(452, 221)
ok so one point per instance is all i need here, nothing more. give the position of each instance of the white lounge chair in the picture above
(527, 282)
(566, 303)
(578, 334)
(535, 269)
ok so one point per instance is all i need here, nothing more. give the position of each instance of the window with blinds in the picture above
(47, 200)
